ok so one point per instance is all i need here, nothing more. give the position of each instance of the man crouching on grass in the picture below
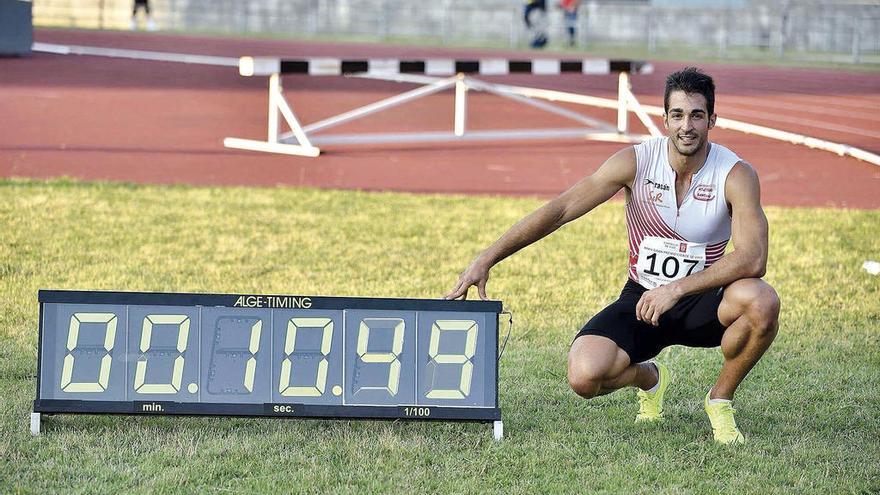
(686, 197)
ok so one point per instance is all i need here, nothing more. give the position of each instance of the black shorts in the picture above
(692, 322)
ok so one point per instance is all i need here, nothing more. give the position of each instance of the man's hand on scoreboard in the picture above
(476, 274)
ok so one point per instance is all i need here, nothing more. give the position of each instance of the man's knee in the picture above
(759, 303)
(586, 373)
(584, 383)
(591, 361)
(763, 311)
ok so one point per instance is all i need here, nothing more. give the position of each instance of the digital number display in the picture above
(118, 352)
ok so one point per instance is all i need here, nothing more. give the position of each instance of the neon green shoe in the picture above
(723, 425)
(651, 404)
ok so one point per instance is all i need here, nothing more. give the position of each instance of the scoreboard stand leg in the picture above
(498, 430)
(35, 423)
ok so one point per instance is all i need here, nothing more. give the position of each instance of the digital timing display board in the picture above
(266, 355)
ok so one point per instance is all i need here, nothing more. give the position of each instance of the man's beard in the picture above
(690, 149)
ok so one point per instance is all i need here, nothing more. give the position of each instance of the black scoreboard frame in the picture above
(276, 410)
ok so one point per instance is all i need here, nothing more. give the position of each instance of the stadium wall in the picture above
(847, 29)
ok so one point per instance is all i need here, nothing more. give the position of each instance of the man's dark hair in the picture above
(691, 80)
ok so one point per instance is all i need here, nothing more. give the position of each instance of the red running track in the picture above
(158, 122)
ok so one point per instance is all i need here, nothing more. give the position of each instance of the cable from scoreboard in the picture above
(509, 328)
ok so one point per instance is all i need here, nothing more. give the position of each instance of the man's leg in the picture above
(134, 11)
(570, 25)
(750, 311)
(597, 366)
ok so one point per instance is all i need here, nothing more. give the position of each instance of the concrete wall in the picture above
(778, 25)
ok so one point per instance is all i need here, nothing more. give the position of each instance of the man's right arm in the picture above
(616, 173)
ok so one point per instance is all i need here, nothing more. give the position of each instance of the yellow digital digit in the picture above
(67, 383)
(393, 357)
(467, 367)
(253, 347)
(182, 322)
(284, 387)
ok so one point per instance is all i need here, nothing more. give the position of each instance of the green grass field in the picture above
(809, 408)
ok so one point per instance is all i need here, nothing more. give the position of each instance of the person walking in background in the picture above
(535, 17)
(142, 4)
(570, 11)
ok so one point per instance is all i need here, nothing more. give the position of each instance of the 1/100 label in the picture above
(417, 412)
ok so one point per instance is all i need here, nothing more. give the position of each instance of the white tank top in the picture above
(667, 242)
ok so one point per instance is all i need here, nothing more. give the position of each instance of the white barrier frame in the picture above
(644, 113)
(302, 141)
(272, 144)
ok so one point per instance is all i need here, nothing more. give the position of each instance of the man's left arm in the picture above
(747, 260)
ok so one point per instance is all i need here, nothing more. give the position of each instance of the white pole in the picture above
(292, 121)
(642, 114)
(35, 423)
(274, 95)
(460, 104)
(622, 97)
(498, 430)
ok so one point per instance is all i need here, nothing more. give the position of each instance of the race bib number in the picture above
(664, 260)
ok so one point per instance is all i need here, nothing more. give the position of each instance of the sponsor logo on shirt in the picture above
(704, 192)
(657, 185)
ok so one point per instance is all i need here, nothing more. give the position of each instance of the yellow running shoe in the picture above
(723, 425)
(651, 404)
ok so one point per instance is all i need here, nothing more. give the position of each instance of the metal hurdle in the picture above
(302, 139)
(403, 71)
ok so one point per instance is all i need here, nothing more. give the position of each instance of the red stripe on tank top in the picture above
(636, 224)
(657, 227)
(635, 234)
(640, 214)
(652, 217)
(716, 249)
(666, 229)
(651, 224)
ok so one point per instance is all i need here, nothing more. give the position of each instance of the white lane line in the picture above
(815, 124)
(738, 110)
(858, 102)
(816, 107)
(184, 58)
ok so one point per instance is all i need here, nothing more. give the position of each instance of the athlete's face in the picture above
(688, 122)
